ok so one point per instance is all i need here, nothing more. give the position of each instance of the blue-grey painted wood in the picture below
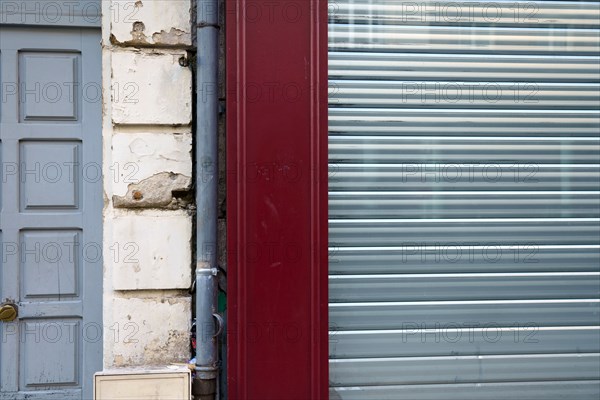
(50, 222)
(72, 13)
(464, 207)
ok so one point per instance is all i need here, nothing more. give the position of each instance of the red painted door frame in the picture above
(277, 199)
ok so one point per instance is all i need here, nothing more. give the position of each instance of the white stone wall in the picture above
(147, 167)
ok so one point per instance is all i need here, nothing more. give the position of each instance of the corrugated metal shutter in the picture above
(464, 199)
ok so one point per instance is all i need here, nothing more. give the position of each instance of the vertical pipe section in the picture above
(207, 361)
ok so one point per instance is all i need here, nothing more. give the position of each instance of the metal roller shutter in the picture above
(464, 199)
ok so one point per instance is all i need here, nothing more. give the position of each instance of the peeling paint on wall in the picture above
(164, 190)
(137, 33)
(150, 24)
(171, 38)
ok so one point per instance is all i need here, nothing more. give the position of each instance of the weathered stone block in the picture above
(150, 88)
(154, 330)
(147, 157)
(151, 22)
(152, 250)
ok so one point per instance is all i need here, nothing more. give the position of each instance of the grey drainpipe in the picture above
(207, 321)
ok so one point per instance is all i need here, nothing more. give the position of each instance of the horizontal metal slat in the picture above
(461, 176)
(416, 342)
(402, 232)
(431, 314)
(467, 12)
(466, 369)
(432, 287)
(440, 204)
(462, 257)
(439, 94)
(483, 40)
(462, 67)
(514, 122)
(476, 151)
(560, 390)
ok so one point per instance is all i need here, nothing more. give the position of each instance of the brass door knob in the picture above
(8, 312)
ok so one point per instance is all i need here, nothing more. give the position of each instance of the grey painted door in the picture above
(51, 201)
(464, 199)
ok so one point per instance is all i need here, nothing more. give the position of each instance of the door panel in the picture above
(51, 199)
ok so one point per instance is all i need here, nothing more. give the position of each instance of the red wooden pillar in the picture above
(277, 199)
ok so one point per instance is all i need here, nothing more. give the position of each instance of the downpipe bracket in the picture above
(220, 322)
